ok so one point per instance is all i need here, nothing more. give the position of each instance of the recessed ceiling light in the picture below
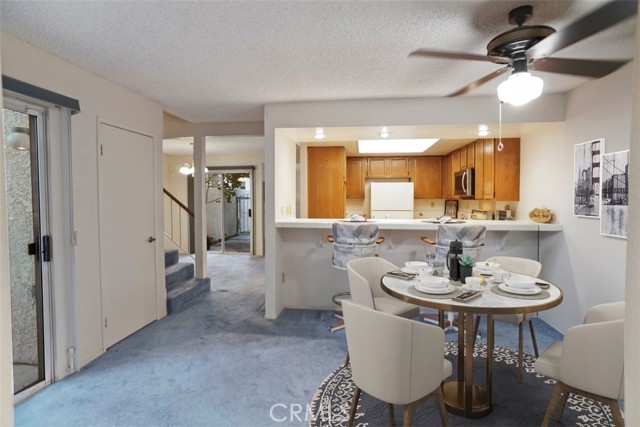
(319, 133)
(379, 146)
(483, 130)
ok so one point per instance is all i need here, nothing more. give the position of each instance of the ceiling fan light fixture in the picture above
(520, 88)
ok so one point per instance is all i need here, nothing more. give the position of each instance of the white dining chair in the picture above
(531, 268)
(395, 360)
(589, 361)
(364, 285)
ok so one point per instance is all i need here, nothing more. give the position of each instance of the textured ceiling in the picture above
(216, 61)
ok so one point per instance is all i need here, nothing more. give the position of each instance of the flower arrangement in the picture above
(466, 260)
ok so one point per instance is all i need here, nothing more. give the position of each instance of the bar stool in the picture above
(351, 240)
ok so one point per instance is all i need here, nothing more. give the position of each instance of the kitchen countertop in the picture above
(420, 224)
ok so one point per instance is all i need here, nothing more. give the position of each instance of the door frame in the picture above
(44, 278)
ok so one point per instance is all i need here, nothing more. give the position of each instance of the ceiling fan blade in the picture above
(598, 20)
(479, 82)
(460, 55)
(577, 67)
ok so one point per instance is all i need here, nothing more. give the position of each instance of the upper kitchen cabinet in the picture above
(356, 171)
(388, 167)
(447, 178)
(326, 176)
(427, 177)
(507, 170)
(497, 173)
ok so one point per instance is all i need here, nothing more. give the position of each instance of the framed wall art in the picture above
(586, 178)
(614, 210)
(451, 208)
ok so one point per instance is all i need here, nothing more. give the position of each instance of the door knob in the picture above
(152, 239)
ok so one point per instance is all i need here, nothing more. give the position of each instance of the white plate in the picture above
(447, 289)
(409, 270)
(534, 291)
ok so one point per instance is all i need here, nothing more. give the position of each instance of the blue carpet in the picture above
(217, 363)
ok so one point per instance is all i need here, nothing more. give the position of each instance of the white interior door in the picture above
(127, 239)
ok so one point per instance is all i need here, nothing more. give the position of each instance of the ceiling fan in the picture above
(529, 46)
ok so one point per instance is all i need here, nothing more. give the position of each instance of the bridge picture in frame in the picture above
(614, 212)
(586, 178)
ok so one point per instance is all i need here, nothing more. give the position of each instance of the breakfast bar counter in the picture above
(421, 224)
(307, 279)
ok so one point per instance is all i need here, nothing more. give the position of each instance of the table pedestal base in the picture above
(454, 400)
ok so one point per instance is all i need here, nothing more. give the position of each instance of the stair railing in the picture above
(176, 224)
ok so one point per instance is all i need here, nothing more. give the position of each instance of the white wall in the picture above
(632, 290)
(598, 109)
(98, 98)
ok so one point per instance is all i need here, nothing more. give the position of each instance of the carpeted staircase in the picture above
(183, 289)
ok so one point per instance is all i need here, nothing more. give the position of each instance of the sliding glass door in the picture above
(25, 169)
(229, 211)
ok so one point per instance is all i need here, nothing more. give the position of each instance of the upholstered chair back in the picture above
(352, 240)
(530, 267)
(392, 358)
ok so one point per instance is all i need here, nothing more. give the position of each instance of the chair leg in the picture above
(408, 413)
(392, 416)
(354, 406)
(520, 345)
(553, 402)
(561, 405)
(533, 338)
(441, 408)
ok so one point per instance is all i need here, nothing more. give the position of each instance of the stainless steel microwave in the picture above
(464, 182)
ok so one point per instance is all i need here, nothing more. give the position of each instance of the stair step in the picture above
(178, 273)
(187, 293)
(171, 257)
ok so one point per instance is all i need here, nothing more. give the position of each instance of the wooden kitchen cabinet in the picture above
(427, 177)
(326, 176)
(463, 158)
(497, 173)
(507, 170)
(388, 167)
(455, 161)
(479, 168)
(487, 189)
(356, 171)
(447, 178)
(471, 155)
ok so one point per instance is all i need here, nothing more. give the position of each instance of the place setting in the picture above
(425, 283)
(518, 286)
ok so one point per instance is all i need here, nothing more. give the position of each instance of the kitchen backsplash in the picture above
(424, 208)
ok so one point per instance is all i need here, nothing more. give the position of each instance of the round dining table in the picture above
(463, 397)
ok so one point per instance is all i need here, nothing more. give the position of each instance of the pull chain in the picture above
(500, 145)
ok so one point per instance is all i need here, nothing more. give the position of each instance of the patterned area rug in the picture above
(513, 404)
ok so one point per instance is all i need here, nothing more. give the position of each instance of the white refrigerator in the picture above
(392, 200)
